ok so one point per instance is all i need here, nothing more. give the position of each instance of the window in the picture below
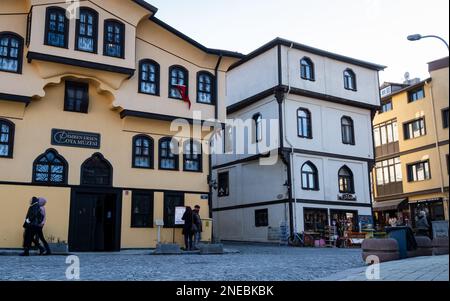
(178, 77)
(114, 39)
(386, 106)
(310, 177)
(6, 138)
(414, 129)
(223, 184)
(262, 218)
(258, 127)
(168, 154)
(142, 152)
(445, 116)
(416, 94)
(205, 89)
(304, 123)
(76, 97)
(419, 171)
(307, 69)
(87, 30)
(349, 80)
(346, 184)
(171, 202)
(96, 171)
(192, 156)
(228, 140)
(385, 133)
(348, 131)
(142, 204)
(389, 171)
(149, 77)
(50, 168)
(11, 52)
(57, 27)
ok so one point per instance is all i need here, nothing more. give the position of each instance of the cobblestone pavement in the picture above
(254, 262)
(432, 268)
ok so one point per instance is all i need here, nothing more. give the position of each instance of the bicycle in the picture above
(296, 240)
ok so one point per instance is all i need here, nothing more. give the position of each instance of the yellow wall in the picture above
(14, 201)
(145, 238)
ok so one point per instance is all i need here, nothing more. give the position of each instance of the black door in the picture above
(95, 222)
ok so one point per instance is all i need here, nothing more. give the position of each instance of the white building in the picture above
(321, 104)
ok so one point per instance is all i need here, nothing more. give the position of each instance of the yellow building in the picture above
(412, 148)
(89, 102)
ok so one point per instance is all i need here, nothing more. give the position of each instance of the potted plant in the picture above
(57, 246)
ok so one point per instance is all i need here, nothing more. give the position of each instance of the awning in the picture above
(388, 205)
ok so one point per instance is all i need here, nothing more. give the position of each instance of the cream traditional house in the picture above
(88, 95)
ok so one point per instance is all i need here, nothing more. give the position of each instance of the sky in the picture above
(370, 30)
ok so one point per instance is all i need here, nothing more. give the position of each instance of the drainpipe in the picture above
(216, 116)
(441, 176)
(291, 176)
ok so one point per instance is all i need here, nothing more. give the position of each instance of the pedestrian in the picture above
(187, 228)
(197, 226)
(422, 225)
(40, 227)
(32, 220)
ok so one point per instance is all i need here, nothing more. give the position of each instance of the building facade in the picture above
(297, 149)
(411, 140)
(89, 103)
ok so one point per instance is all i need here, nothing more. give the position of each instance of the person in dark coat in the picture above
(32, 220)
(187, 229)
(422, 225)
(197, 226)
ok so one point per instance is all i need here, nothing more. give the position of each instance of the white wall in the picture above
(329, 78)
(328, 169)
(326, 127)
(239, 225)
(268, 108)
(253, 77)
(251, 183)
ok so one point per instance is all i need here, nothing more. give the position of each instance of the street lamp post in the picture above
(417, 37)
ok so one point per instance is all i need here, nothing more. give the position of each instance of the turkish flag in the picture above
(184, 95)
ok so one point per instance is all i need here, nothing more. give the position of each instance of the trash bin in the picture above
(405, 239)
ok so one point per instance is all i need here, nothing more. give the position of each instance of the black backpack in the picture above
(35, 215)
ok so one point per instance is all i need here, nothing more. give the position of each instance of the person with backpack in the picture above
(187, 229)
(32, 220)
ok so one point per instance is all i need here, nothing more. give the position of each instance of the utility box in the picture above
(207, 230)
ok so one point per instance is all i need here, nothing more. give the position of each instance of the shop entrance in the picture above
(95, 221)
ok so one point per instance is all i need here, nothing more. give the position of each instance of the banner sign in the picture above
(75, 139)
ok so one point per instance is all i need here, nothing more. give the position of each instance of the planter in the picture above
(384, 249)
(59, 248)
(424, 247)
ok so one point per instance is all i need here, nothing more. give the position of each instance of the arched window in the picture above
(192, 156)
(11, 52)
(310, 177)
(149, 77)
(205, 88)
(87, 30)
(304, 123)
(56, 27)
(348, 130)
(178, 77)
(6, 138)
(346, 184)
(168, 154)
(142, 152)
(50, 168)
(96, 171)
(349, 80)
(114, 39)
(307, 69)
(258, 128)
